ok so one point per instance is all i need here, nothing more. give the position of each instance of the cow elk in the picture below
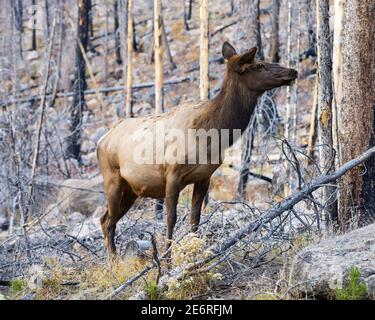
(126, 179)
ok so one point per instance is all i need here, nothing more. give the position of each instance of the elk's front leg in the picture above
(199, 193)
(171, 198)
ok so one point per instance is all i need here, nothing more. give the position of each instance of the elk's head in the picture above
(255, 74)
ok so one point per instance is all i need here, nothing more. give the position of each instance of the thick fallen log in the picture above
(222, 248)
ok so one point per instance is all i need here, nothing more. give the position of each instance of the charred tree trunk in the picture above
(79, 85)
(357, 111)
(187, 13)
(325, 96)
(46, 10)
(172, 65)
(129, 77)
(17, 7)
(124, 43)
(117, 31)
(135, 44)
(204, 46)
(159, 77)
(106, 44)
(275, 15)
(311, 23)
(158, 49)
(91, 19)
(33, 31)
(254, 39)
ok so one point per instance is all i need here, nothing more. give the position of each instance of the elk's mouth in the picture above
(290, 82)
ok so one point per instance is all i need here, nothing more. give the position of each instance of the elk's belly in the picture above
(145, 180)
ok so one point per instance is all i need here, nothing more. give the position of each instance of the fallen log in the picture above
(139, 86)
(222, 248)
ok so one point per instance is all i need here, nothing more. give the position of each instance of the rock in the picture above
(82, 196)
(320, 269)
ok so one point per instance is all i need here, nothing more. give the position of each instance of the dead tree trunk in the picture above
(313, 124)
(357, 111)
(124, 41)
(291, 112)
(254, 39)
(172, 65)
(17, 7)
(204, 46)
(326, 153)
(91, 19)
(129, 77)
(46, 14)
(187, 13)
(337, 70)
(106, 44)
(275, 15)
(159, 77)
(117, 31)
(79, 85)
(33, 31)
(158, 49)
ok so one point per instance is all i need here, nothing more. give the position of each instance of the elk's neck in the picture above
(233, 107)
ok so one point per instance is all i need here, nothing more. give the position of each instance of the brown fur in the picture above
(246, 79)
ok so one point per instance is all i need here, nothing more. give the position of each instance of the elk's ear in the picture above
(248, 57)
(228, 50)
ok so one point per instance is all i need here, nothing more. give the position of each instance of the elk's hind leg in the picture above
(120, 199)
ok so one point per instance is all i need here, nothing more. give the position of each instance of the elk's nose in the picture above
(293, 73)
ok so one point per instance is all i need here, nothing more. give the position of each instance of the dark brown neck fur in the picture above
(231, 109)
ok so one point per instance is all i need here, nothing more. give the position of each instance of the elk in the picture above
(125, 179)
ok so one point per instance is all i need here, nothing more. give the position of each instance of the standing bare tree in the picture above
(159, 76)
(17, 7)
(158, 48)
(204, 46)
(117, 31)
(252, 9)
(325, 94)
(275, 16)
(129, 77)
(188, 9)
(357, 111)
(33, 31)
(337, 68)
(172, 65)
(79, 85)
